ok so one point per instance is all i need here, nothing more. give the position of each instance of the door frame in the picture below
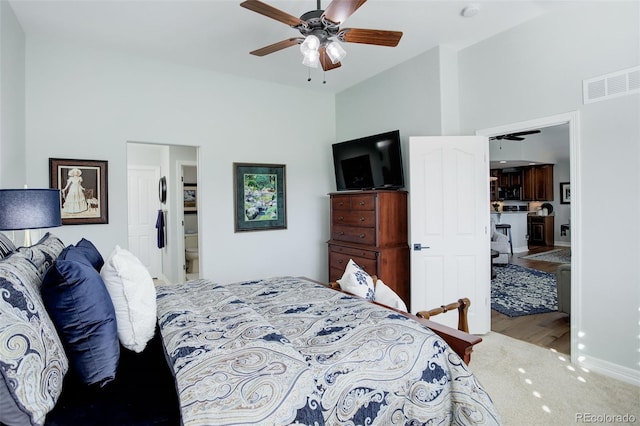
(573, 120)
(180, 165)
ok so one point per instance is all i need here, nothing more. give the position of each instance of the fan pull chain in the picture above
(309, 77)
(324, 77)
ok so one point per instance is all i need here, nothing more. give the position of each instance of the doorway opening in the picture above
(147, 165)
(568, 215)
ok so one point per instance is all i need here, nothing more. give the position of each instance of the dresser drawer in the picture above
(354, 234)
(338, 262)
(363, 202)
(364, 218)
(353, 252)
(353, 202)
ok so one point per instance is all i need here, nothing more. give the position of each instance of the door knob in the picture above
(419, 246)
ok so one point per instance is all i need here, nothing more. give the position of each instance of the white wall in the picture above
(87, 104)
(12, 100)
(536, 70)
(405, 97)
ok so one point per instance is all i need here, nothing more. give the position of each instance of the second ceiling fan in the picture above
(321, 32)
(518, 136)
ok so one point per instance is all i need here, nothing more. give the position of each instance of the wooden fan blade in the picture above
(513, 138)
(272, 12)
(377, 37)
(339, 10)
(277, 46)
(325, 61)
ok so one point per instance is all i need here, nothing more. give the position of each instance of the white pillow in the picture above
(134, 298)
(356, 281)
(388, 297)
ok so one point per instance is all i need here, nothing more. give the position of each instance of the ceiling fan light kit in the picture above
(336, 52)
(321, 32)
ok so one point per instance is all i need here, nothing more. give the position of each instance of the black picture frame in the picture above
(565, 193)
(260, 196)
(190, 197)
(83, 190)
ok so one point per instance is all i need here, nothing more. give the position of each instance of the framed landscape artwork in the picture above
(83, 190)
(260, 197)
(190, 198)
(565, 193)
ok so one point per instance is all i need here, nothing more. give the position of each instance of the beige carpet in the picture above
(531, 385)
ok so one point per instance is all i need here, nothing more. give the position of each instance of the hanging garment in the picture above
(160, 228)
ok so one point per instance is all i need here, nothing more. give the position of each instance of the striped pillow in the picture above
(6, 246)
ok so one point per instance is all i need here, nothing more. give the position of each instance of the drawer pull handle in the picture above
(341, 233)
(362, 203)
(340, 218)
(361, 235)
(341, 203)
(341, 261)
(362, 219)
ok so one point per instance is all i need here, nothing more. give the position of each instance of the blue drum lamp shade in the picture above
(29, 209)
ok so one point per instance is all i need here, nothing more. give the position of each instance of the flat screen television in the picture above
(370, 162)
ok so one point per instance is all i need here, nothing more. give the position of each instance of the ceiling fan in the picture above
(321, 32)
(518, 136)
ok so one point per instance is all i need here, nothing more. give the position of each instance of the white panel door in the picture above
(449, 217)
(142, 190)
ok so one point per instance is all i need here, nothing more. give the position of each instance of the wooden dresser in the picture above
(370, 227)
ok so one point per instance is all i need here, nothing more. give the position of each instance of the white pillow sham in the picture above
(134, 298)
(356, 281)
(384, 295)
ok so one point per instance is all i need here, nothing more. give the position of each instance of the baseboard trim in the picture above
(606, 368)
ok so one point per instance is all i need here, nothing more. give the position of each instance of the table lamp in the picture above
(26, 209)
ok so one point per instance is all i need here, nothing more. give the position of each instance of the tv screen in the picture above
(371, 162)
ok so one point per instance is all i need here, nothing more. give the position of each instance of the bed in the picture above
(283, 350)
(287, 350)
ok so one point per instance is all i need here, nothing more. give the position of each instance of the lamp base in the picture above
(27, 238)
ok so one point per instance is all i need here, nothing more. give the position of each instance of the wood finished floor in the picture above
(550, 330)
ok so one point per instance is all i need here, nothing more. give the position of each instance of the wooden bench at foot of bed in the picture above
(460, 341)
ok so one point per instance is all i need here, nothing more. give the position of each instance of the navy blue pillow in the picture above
(76, 254)
(79, 305)
(84, 248)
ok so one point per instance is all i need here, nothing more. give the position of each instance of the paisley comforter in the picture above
(285, 351)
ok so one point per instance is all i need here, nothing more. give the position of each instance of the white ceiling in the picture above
(219, 34)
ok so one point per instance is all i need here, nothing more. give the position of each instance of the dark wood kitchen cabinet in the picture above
(537, 183)
(540, 230)
(371, 228)
(510, 178)
(494, 184)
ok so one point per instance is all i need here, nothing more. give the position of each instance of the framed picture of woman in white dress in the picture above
(83, 190)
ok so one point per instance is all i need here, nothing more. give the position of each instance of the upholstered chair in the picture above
(500, 243)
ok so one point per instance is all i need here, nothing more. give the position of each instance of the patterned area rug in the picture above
(562, 255)
(518, 291)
